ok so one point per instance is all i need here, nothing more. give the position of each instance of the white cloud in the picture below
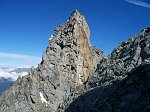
(18, 60)
(12, 75)
(18, 56)
(139, 3)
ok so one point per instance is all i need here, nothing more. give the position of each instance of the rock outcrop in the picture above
(73, 76)
(66, 65)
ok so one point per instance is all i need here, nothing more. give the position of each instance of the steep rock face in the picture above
(69, 60)
(66, 65)
(128, 55)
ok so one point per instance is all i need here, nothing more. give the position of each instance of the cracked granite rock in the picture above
(66, 65)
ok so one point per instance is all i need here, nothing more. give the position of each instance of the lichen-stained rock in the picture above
(66, 65)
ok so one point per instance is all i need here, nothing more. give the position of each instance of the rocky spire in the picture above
(68, 69)
(80, 19)
(145, 31)
(66, 65)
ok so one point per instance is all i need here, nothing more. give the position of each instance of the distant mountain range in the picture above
(8, 75)
(5, 84)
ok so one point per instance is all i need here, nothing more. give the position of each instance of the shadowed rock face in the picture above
(128, 95)
(66, 65)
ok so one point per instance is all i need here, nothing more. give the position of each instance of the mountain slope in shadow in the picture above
(128, 95)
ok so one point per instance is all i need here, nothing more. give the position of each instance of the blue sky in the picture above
(26, 25)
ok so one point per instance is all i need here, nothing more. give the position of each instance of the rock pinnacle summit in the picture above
(73, 76)
(66, 64)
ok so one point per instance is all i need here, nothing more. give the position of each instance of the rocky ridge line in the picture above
(127, 56)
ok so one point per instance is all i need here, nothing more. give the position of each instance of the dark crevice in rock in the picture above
(32, 100)
(61, 45)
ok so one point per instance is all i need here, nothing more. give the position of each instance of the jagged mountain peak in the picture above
(71, 67)
(145, 31)
(75, 23)
(75, 13)
(79, 20)
(75, 16)
(66, 65)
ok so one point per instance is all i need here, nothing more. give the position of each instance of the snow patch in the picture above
(43, 99)
(51, 37)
